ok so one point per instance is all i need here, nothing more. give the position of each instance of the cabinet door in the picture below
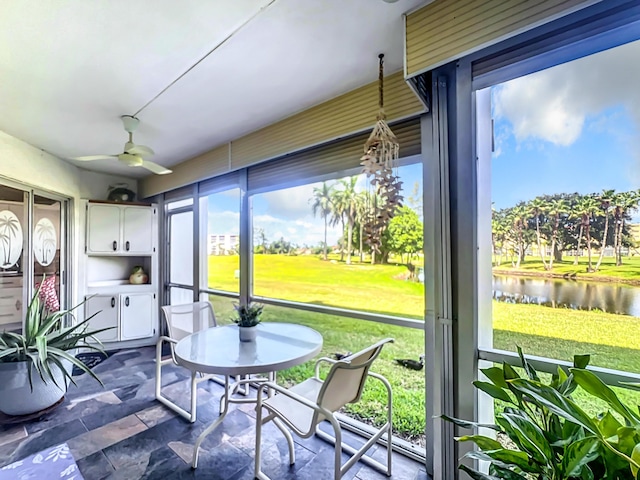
(136, 315)
(138, 229)
(103, 228)
(105, 308)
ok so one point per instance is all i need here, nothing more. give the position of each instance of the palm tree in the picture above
(537, 207)
(623, 203)
(516, 218)
(46, 233)
(345, 200)
(556, 209)
(606, 198)
(585, 208)
(362, 212)
(322, 204)
(10, 227)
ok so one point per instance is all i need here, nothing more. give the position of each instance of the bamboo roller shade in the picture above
(446, 30)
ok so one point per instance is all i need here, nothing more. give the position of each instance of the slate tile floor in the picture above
(121, 432)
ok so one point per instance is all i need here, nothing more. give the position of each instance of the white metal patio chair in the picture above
(302, 407)
(181, 321)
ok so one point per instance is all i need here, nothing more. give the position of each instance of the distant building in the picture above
(226, 244)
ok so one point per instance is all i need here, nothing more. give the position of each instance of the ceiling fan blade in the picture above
(141, 150)
(155, 168)
(94, 157)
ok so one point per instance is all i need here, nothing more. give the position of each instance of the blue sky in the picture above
(570, 128)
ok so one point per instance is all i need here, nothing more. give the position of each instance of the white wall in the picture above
(26, 164)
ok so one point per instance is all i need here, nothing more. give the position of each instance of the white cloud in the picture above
(265, 218)
(554, 104)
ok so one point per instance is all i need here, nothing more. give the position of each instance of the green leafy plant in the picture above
(46, 342)
(247, 315)
(555, 438)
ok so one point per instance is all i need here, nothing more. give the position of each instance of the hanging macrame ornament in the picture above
(380, 164)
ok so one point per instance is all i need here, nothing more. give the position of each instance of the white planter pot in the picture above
(247, 334)
(16, 396)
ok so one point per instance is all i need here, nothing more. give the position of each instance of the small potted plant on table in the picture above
(247, 317)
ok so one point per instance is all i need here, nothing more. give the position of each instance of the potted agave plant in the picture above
(35, 364)
(247, 317)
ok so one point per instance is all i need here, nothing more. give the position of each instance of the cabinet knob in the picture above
(115, 245)
(126, 301)
(113, 302)
(126, 245)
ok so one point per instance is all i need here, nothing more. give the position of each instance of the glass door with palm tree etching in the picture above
(48, 249)
(13, 220)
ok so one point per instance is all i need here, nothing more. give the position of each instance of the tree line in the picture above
(565, 222)
(341, 204)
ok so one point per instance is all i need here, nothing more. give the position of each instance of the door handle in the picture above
(126, 245)
(113, 302)
(115, 245)
(126, 301)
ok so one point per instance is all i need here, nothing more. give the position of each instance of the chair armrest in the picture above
(159, 347)
(319, 361)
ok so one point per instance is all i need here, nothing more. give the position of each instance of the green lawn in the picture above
(539, 330)
(309, 279)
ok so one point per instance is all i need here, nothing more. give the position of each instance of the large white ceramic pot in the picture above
(16, 396)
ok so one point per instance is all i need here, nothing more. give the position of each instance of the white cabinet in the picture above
(120, 229)
(137, 231)
(119, 238)
(136, 319)
(128, 316)
(104, 310)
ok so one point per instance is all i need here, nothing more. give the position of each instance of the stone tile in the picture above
(156, 415)
(322, 466)
(221, 462)
(11, 433)
(158, 464)
(95, 467)
(111, 413)
(275, 462)
(35, 442)
(401, 467)
(103, 437)
(74, 408)
(146, 442)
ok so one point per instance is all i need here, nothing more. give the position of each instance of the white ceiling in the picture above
(70, 68)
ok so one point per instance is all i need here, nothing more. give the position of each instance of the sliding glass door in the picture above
(35, 222)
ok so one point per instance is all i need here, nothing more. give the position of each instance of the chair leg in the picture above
(337, 459)
(158, 368)
(194, 396)
(287, 435)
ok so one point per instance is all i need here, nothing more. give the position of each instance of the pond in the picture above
(561, 293)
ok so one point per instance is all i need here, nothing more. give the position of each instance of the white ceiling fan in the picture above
(133, 155)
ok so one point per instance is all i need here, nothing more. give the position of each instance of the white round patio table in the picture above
(218, 350)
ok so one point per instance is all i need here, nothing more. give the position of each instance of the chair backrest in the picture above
(345, 381)
(183, 320)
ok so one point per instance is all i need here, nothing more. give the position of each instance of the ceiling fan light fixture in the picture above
(130, 122)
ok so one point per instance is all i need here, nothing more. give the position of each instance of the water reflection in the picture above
(560, 293)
